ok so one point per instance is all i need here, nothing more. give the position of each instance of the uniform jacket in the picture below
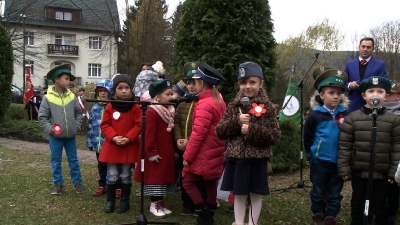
(158, 141)
(322, 131)
(204, 152)
(94, 136)
(354, 145)
(183, 120)
(375, 67)
(263, 133)
(62, 110)
(127, 124)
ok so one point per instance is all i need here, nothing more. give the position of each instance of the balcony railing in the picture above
(63, 49)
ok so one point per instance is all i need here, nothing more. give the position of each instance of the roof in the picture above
(97, 15)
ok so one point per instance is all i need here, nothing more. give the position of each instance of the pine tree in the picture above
(226, 33)
(6, 71)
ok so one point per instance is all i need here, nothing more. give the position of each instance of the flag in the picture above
(292, 109)
(28, 89)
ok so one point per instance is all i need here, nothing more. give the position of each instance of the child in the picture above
(250, 138)
(121, 126)
(94, 137)
(392, 104)
(354, 151)
(60, 117)
(146, 77)
(159, 163)
(321, 142)
(203, 157)
(179, 89)
(182, 130)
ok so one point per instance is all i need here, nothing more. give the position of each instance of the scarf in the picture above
(166, 114)
(101, 103)
(123, 106)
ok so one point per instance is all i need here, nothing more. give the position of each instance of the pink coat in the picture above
(128, 124)
(205, 152)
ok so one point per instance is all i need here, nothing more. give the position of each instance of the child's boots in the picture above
(124, 204)
(110, 203)
(330, 220)
(318, 219)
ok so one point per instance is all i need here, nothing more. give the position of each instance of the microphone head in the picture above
(376, 100)
(245, 101)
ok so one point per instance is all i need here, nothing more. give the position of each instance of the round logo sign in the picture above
(292, 107)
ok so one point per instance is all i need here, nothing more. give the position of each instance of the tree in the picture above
(387, 46)
(6, 71)
(296, 54)
(224, 34)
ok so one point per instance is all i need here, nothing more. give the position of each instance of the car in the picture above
(17, 94)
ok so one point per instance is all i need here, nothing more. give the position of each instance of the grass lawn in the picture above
(26, 182)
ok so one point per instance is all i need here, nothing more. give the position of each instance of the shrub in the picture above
(16, 112)
(6, 71)
(287, 151)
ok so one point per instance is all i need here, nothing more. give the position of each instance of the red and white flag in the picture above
(28, 89)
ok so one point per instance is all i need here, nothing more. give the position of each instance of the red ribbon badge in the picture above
(341, 120)
(56, 129)
(257, 110)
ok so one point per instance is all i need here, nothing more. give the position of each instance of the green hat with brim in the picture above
(320, 70)
(189, 70)
(331, 78)
(395, 88)
(57, 71)
(375, 82)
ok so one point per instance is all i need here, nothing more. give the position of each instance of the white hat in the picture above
(158, 67)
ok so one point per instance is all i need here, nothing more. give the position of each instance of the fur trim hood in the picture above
(315, 101)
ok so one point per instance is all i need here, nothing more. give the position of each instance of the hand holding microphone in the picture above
(245, 117)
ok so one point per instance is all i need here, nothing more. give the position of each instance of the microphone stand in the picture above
(141, 220)
(301, 183)
(371, 165)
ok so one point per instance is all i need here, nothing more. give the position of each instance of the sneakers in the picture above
(79, 188)
(318, 219)
(118, 193)
(156, 210)
(330, 220)
(162, 206)
(57, 189)
(100, 191)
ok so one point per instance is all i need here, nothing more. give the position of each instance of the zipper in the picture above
(319, 145)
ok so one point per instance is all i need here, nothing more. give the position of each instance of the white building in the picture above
(77, 32)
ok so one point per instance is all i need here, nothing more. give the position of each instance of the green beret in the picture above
(331, 78)
(320, 70)
(159, 86)
(375, 82)
(57, 71)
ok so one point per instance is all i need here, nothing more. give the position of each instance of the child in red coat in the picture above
(159, 156)
(203, 157)
(121, 126)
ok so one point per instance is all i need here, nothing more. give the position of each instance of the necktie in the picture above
(363, 62)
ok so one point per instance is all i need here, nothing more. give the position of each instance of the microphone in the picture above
(246, 105)
(376, 100)
(187, 99)
(316, 55)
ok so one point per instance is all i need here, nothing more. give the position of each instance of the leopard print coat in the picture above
(263, 132)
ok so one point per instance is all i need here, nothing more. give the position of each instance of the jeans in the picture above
(56, 148)
(327, 185)
(115, 171)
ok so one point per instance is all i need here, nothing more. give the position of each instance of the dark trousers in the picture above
(393, 199)
(377, 200)
(190, 185)
(102, 168)
(327, 185)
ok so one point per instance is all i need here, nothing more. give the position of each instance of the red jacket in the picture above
(158, 141)
(128, 124)
(205, 152)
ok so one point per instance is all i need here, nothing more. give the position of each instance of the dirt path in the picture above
(84, 156)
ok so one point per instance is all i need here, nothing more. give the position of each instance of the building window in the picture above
(94, 70)
(57, 64)
(29, 37)
(63, 40)
(63, 16)
(30, 62)
(95, 42)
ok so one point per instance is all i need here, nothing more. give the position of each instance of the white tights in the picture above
(254, 209)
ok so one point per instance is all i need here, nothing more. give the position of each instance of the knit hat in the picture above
(57, 71)
(158, 67)
(250, 69)
(331, 78)
(375, 82)
(159, 86)
(122, 78)
(180, 87)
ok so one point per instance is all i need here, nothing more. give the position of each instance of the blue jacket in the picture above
(375, 68)
(322, 132)
(94, 137)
